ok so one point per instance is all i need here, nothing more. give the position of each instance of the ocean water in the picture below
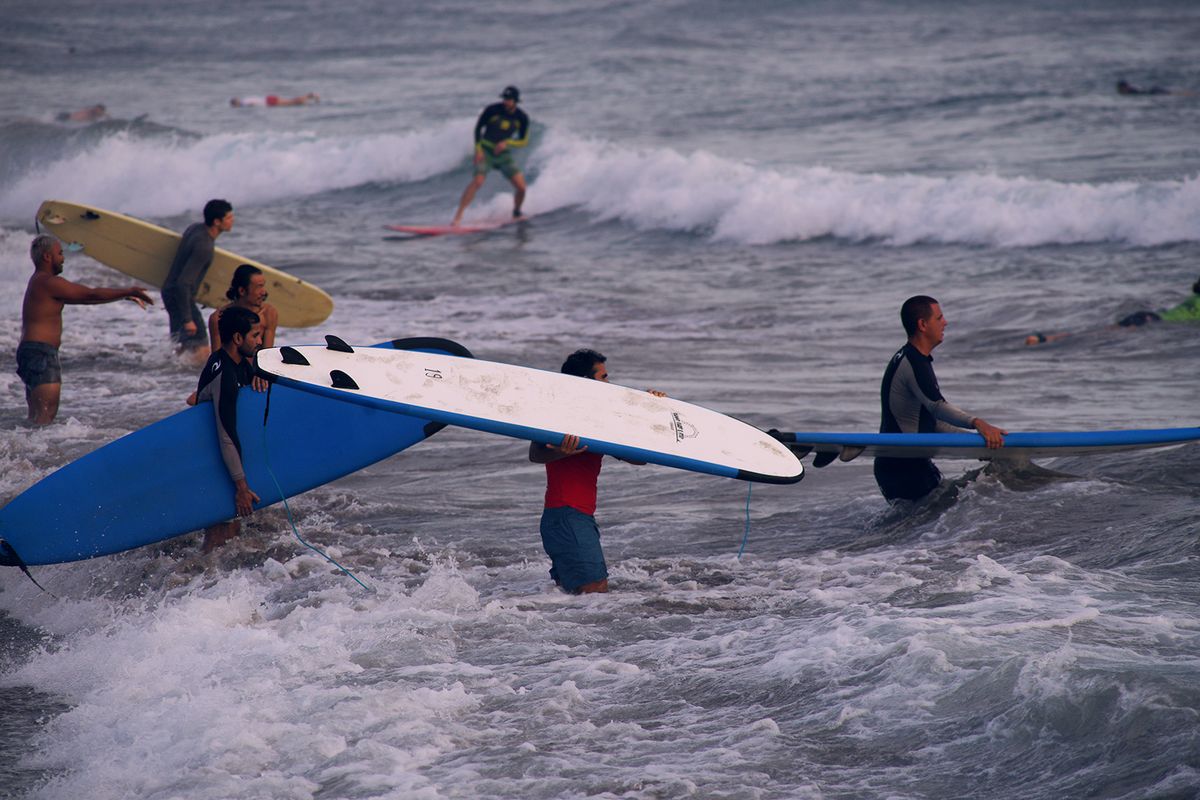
(732, 200)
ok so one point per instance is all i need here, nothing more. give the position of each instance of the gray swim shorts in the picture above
(37, 363)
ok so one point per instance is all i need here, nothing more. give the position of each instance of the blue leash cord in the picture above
(746, 535)
(288, 508)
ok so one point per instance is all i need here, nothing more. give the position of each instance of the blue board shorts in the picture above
(37, 363)
(572, 541)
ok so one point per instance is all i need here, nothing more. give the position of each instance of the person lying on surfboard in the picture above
(272, 100)
(501, 127)
(568, 527)
(911, 402)
(1187, 311)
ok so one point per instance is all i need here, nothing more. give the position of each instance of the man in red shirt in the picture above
(569, 532)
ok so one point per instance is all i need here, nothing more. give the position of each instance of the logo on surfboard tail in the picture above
(683, 430)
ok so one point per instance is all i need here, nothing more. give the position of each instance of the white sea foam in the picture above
(657, 188)
(156, 177)
(756, 204)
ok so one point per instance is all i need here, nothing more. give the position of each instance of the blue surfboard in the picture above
(1017, 446)
(168, 479)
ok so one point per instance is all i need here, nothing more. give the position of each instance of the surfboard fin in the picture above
(334, 343)
(824, 459)
(341, 380)
(851, 453)
(293, 356)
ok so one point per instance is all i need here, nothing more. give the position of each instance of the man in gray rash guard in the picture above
(226, 371)
(192, 260)
(912, 402)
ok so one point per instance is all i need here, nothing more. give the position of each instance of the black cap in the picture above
(511, 93)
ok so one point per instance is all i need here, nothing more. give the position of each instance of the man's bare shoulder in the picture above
(51, 285)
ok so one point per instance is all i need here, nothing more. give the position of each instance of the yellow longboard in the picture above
(145, 251)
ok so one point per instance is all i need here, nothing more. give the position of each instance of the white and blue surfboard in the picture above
(828, 447)
(120, 496)
(536, 405)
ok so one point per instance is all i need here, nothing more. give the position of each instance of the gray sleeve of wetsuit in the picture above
(908, 396)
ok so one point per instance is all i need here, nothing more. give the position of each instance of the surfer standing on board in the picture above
(570, 535)
(192, 260)
(501, 127)
(226, 371)
(912, 402)
(42, 325)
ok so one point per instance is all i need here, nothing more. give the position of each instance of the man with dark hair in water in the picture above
(911, 402)
(247, 289)
(1125, 87)
(570, 535)
(42, 325)
(226, 371)
(501, 127)
(192, 260)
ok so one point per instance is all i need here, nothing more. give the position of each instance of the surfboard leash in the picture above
(746, 535)
(287, 507)
(10, 558)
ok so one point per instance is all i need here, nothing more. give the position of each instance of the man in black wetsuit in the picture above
(501, 127)
(912, 403)
(226, 371)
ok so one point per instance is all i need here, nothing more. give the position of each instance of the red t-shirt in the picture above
(572, 482)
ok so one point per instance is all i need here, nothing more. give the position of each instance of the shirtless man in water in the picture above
(42, 325)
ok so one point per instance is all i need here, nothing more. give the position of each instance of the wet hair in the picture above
(241, 280)
(234, 320)
(41, 247)
(914, 310)
(215, 210)
(582, 362)
(1196, 287)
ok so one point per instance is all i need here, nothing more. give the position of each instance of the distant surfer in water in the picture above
(89, 114)
(1125, 87)
(1187, 311)
(570, 535)
(272, 100)
(227, 370)
(501, 127)
(911, 402)
(42, 325)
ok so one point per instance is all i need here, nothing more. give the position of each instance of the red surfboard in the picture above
(455, 230)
